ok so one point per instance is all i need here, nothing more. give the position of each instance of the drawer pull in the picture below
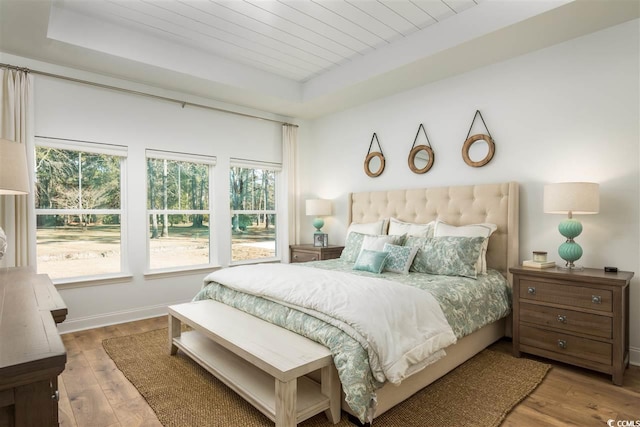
(295, 257)
(596, 299)
(56, 396)
(531, 290)
(562, 318)
(562, 344)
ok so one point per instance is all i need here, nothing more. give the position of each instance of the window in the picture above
(79, 208)
(253, 211)
(178, 209)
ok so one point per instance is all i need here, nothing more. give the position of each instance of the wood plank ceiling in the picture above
(296, 39)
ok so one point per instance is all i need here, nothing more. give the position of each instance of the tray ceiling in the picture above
(292, 58)
(296, 39)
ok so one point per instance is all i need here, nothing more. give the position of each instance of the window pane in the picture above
(253, 237)
(252, 189)
(177, 185)
(178, 240)
(78, 245)
(68, 179)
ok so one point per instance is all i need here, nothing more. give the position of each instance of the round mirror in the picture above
(421, 159)
(374, 164)
(483, 150)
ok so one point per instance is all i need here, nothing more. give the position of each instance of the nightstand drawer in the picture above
(299, 256)
(570, 345)
(305, 253)
(575, 296)
(568, 320)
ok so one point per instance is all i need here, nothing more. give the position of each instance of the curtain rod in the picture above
(135, 92)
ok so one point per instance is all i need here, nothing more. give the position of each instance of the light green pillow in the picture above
(400, 258)
(352, 247)
(416, 241)
(449, 256)
(371, 261)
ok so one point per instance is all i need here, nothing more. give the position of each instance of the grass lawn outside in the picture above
(72, 251)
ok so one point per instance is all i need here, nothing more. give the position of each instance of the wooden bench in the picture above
(262, 362)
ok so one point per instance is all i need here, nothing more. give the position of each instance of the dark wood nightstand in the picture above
(575, 317)
(304, 253)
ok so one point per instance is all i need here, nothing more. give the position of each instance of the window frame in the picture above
(277, 169)
(91, 147)
(202, 159)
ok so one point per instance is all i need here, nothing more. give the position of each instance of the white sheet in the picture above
(403, 328)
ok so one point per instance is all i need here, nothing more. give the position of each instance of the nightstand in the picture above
(576, 317)
(304, 253)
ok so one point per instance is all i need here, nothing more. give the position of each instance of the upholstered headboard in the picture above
(459, 205)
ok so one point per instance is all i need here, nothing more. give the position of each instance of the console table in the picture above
(32, 354)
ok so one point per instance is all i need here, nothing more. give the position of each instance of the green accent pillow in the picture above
(357, 241)
(371, 261)
(352, 247)
(416, 241)
(449, 256)
(400, 258)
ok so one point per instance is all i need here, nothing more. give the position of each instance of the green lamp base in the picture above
(318, 223)
(570, 251)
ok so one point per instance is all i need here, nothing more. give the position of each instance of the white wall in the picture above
(70, 110)
(566, 113)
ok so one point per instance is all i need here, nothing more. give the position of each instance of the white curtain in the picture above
(290, 179)
(16, 124)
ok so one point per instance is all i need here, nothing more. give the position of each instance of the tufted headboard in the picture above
(458, 205)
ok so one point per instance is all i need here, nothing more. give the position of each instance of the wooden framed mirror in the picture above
(478, 146)
(374, 162)
(421, 159)
(468, 154)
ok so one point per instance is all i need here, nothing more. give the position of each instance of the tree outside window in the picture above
(178, 210)
(253, 213)
(78, 210)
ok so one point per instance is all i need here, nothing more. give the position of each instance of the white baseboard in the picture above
(634, 356)
(106, 319)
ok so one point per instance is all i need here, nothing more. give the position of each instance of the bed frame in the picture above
(494, 203)
(459, 205)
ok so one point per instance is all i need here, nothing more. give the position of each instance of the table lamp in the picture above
(318, 208)
(14, 178)
(571, 198)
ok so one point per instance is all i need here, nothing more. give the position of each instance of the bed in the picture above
(456, 206)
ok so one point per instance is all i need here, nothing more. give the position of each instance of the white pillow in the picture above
(376, 243)
(485, 230)
(375, 228)
(397, 227)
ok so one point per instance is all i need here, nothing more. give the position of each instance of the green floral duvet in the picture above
(468, 304)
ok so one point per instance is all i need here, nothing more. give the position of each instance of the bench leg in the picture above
(286, 394)
(330, 387)
(174, 332)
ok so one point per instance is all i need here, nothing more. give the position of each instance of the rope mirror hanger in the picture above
(472, 139)
(416, 150)
(373, 158)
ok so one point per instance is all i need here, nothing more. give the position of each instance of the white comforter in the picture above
(402, 328)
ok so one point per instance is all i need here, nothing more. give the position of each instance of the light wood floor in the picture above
(94, 393)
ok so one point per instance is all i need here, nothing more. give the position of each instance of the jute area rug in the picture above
(478, 393)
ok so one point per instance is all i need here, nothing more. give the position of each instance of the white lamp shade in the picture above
(574, 197)
(318, 207)
(14, 176)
